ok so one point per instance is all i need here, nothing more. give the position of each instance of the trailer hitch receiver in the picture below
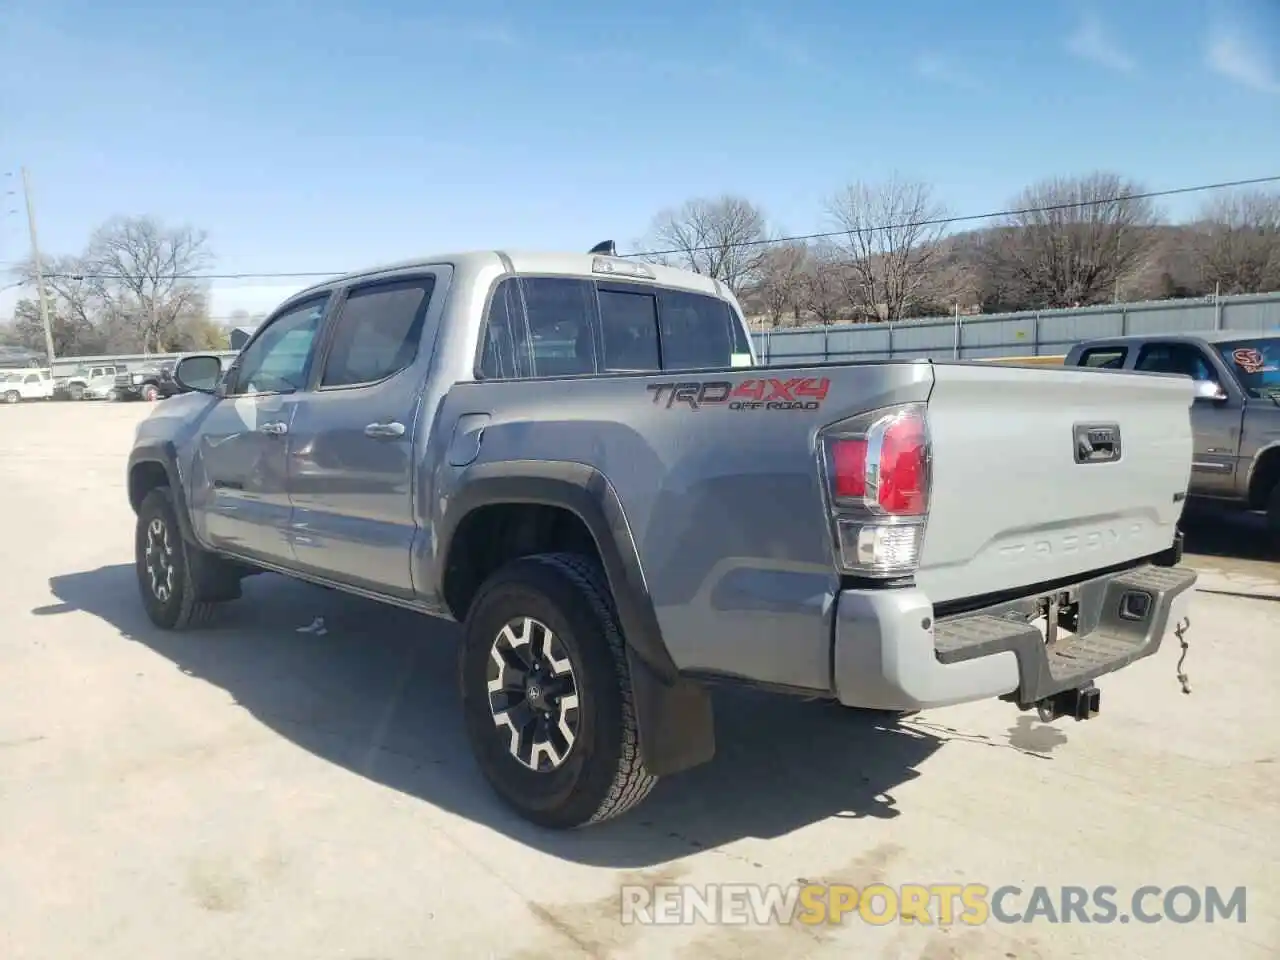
(1082, 703)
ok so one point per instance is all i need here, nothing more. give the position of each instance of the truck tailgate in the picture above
(1011, 502)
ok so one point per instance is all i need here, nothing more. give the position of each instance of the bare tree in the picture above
(779, 289)
(145, 272)
(1074, 243)
(724, 238)
(73, 304)
(70, 338)
(1236, 244)
(824, 285)
(891, 233)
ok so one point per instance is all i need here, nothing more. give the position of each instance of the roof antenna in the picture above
(607, 248)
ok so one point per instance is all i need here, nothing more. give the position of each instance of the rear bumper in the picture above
(891, 654)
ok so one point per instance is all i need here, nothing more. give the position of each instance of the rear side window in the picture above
(698, 331)
(1108, 358)
(378, 332)
(629, 330)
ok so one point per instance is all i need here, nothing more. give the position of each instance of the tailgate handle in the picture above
(1097, 442)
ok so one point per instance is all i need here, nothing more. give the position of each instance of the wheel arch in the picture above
(154, 465)
(673, 712)
(1264, 474)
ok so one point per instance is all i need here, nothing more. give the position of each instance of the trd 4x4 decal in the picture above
(755, 393)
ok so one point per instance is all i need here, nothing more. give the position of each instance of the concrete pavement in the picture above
(253, 791)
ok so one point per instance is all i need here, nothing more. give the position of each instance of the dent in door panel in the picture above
(239, 490)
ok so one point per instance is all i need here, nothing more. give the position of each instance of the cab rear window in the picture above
(1108, 358)
(558, 326)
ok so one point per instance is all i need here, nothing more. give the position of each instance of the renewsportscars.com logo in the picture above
(754, 393)
(942, 904)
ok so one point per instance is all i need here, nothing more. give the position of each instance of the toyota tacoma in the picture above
(577, 458)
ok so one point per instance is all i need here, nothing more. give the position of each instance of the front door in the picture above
(351, 443)
(1215, 425)
(240, 500)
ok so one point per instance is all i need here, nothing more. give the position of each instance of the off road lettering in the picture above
(754, 393)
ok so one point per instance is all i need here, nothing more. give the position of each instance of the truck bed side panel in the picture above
(725, 505)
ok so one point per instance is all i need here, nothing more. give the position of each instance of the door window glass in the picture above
(1179, 358)
(378, 332)
(279, 360)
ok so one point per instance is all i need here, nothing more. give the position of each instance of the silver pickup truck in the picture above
(1235, 419)
(577, 458)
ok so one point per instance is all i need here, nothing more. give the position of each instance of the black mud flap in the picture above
(676, 721)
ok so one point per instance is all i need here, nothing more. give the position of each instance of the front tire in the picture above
(150, 393)
(180, 584)
(546, 694)
(1273, 512)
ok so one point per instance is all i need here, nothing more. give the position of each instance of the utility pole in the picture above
(35, 257)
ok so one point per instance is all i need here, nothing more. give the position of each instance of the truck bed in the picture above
(717, 475)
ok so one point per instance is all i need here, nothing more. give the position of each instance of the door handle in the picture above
(385, 431)
(275, 428)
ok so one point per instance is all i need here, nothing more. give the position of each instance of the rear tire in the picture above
(12, 396)
(563, 748)
(180, 583)
(1273, 512)
(150, 393)
(75, 392)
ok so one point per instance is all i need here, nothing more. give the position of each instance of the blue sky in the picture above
(329, 136)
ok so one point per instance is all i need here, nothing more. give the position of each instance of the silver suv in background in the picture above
(96, 382)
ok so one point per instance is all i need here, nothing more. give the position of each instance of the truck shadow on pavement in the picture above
(377, 694)
(1212, 531)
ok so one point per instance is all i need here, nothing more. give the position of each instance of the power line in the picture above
(796, 238)
(974, 217)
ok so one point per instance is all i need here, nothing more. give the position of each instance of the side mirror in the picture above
(200, 374)
(1209, 390)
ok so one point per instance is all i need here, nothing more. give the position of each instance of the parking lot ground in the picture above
(250, 791)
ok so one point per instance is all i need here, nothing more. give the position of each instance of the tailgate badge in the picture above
(1097, 442)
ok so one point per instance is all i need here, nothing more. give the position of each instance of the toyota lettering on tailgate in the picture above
(754, 393)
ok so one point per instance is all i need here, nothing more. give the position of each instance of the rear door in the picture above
(1215, 425)
(351, 464)
(239, 498)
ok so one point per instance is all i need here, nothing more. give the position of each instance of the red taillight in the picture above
(849, 460)
(878, 467)
(902, 485)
